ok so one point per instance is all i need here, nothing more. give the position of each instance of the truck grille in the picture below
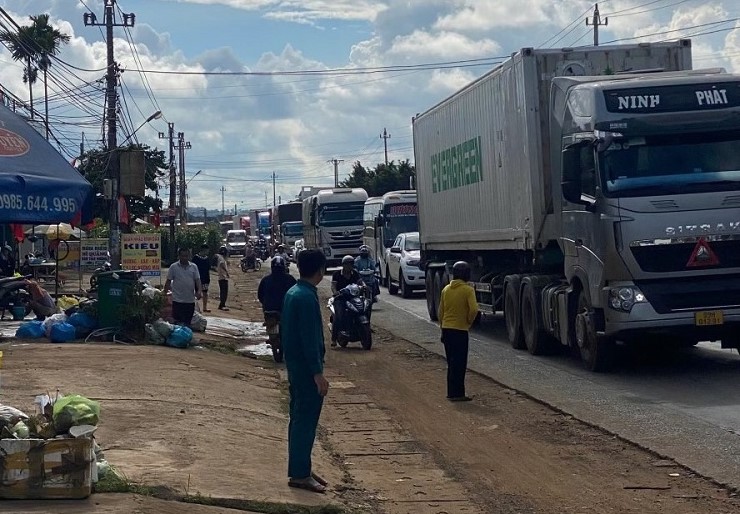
(340, 235)
(692, 293)
(675, 257)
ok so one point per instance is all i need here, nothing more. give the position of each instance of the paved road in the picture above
(684, 405)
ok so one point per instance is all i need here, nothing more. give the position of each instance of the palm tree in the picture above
(33, 44)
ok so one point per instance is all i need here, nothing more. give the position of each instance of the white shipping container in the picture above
(482, 155)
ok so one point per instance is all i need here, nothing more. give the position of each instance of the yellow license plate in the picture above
(708, 318)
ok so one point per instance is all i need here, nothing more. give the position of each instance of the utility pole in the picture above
(385, 136)
(111, 82)
(173, 186)
(597, 22)
(182, 145)
(223, 208)
(274, 192)
(336, 162)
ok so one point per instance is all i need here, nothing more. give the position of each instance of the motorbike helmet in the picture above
(348, 259)
(364, 250)
(461, 271)
(278, 264)
(280, 248)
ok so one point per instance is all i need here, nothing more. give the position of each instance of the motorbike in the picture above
(357, 310)
(102, 269)
(12, 293)
(272, 327)
(246, 266)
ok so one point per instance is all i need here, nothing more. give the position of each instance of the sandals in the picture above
(309, 484)
(319, 479)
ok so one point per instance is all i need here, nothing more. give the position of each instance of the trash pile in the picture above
(52, 453)
(140, 312)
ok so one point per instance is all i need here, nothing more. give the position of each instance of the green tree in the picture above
(381, 179)
(33, 44)
(94, 164)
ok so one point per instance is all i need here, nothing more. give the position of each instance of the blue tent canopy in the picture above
(37, 184)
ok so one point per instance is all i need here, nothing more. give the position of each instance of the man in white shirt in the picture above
(183, 279)
(222, 267)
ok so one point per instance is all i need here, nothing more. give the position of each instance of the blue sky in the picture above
(242, 128)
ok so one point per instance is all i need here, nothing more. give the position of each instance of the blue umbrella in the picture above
(37, 184)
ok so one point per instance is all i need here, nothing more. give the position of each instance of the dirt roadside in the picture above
(213, 423)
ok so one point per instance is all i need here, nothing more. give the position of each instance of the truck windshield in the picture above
(341, 216)
(671, 164)
(290, 229)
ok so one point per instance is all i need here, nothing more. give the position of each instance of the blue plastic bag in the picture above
(30, 330)
(62, 333)
(180, 337)
(83, 321)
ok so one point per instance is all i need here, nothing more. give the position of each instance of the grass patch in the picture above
(115, 482)
(263, 506)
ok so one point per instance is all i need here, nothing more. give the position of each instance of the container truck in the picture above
(332, 222)
(385, 217)
(595, 194)
(287, 222)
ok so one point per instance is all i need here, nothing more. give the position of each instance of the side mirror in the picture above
(396, 249)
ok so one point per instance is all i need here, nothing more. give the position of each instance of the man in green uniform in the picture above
(303, 349)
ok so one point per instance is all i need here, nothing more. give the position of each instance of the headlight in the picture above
(624, 298)
(414, 263)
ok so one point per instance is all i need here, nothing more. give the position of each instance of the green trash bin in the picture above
(113, 288)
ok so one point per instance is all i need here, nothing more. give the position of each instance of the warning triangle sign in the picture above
(702, 256)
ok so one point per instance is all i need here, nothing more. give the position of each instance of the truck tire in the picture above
(429, 284)
(512, 315)
(392, 288)
(597, 352)
(437, 293)
(536, 339)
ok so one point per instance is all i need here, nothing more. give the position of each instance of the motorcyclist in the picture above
(365, 262)
(7, 263)
(249, 255)
(341, 279)
(282, 253)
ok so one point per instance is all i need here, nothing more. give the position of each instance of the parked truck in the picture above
(332, 222)
(595, 194)
(287, 223)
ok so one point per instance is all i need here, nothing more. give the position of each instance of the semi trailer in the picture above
(595, 193)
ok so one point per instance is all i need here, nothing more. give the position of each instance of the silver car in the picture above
(403, 265)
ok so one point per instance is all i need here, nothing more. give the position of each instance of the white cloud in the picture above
(442, 46)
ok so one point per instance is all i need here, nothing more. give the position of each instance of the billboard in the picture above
(142, 252)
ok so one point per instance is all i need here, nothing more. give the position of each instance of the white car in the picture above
(403, 265)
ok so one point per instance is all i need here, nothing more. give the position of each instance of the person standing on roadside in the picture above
(303, 346)
(458, 310)
(222, 267)
(183, 279)
(203, 261)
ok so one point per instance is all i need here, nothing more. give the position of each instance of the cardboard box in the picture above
(46, 469)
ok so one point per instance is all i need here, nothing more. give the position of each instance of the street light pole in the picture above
(153, 117)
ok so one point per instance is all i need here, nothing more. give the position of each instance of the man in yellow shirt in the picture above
(458, 310)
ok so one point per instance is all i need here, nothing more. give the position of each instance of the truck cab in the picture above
(332, 222)
(236, 242)
(649, 169)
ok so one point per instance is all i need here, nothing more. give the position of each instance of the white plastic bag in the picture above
(198, 323)
(150, 292)
(163, 328)
(53, 320)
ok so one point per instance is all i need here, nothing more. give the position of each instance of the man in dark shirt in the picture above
(339, 280)
(203, 261)
(272, 288)
(7, 263)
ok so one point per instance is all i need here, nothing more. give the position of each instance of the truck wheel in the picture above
(437, 293)
(392, 288)
(511, 316)
(597, 352)
(406, 290)
(537, 340)
(429, 284)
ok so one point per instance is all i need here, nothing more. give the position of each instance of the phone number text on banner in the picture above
(142, 252)
(37, 203)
